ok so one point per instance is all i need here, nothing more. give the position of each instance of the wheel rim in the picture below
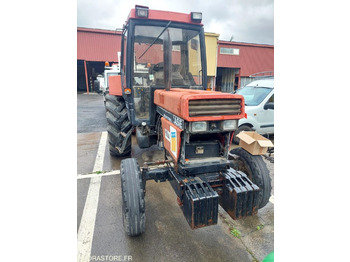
(240, 165)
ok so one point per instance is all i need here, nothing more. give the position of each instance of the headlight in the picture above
(199, 126)
(141, 11)
(196, 17)
(229, 125)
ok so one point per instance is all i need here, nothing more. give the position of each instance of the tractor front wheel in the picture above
(240, 129)
(255, 168)
(133, 196)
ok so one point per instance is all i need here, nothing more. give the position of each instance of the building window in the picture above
(229, 51)
(176, 48)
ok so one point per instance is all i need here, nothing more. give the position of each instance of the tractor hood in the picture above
(200, 105)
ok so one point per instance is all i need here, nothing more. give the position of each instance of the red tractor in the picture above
(161, 93)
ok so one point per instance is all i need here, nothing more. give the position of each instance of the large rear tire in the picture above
(118, 126)
(255, 168)
(133, 195)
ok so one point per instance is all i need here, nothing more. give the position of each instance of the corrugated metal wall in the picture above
(98, 45)
(252, 58)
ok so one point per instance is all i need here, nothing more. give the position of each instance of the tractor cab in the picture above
(160, 49)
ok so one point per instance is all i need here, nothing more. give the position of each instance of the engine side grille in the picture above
(214, 107)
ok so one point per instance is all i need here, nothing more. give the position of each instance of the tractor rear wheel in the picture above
(118, 126)
(255, 168)
(133, 196)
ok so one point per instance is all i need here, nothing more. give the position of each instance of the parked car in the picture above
(259, 106)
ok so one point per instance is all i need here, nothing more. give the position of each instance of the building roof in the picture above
(252, 58)
(97, 44)
(245, 44)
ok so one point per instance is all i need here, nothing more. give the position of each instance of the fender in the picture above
(251, 121)
(115, 85)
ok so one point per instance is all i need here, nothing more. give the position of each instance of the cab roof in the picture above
(164, 16)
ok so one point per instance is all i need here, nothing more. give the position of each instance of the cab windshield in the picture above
(253, 95)
(148, 62)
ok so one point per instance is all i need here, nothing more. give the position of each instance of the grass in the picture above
(259, 227)
(235, 232)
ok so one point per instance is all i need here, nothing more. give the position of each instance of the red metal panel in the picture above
(252, 58)
(98, 45)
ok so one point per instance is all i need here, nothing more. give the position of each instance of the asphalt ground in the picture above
(168, 237)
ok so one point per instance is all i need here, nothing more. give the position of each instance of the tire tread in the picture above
(117, 122)
(133, 197)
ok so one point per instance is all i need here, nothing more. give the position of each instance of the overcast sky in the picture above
(250, 21)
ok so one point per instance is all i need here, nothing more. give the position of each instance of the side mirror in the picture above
(269, 105)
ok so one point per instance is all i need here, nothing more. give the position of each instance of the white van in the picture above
(259, 106)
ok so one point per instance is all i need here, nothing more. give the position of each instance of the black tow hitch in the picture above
(200, 195)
